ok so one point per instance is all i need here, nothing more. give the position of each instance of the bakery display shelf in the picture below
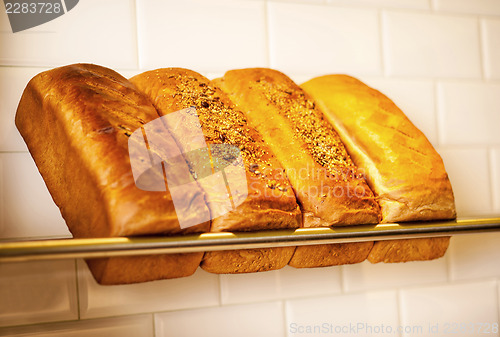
(48, 249)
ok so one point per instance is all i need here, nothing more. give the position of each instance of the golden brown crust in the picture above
(326, 182)
(408, 250)
(405, 172)
(76, 121)
(330, 255)
(134, 269)
(246, 260)
(271, 203)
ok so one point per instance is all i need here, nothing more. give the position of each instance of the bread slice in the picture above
(270, 203)
(402, 168)
(76, 121)
(327, 184)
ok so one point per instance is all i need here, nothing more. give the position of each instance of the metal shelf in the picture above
(122, 246)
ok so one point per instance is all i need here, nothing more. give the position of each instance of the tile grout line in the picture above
(283, 314)
(341, 280)
(398, 309)
(154, 323)
(136, 26)
(381, 30)
(437, 114)
(267, 33)
(490, 164)
(482, 45)
(219, 288)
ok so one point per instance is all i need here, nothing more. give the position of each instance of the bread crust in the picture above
(270, 204)
(401, 166)
(76, 121)
(406, 250)
(326, 182)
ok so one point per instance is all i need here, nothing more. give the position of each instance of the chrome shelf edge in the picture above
(51, 249)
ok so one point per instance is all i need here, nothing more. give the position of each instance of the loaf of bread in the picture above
(270, 203)
(402, 168)
(328, 186)
(76, 121)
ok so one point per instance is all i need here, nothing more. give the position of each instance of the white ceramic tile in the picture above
(198, 290)
(495, 172)
(430, 45)
(204, 36)
(469, 113)
(13, 80)
(490, 30)
(361, 314)
(93, 31)
(262, 319)
(284, 283)
(28, 208)
(487, 7)
(365, 275)
(302, 1)
(128, 326)
(475, 256)
(415, 98)
(444, 310)
(302, 282)
(35, 292)
(469, 177)
(318, 40)
(409, 4)
(253, 287)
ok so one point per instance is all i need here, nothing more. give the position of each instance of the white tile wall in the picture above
(367, 276)
(35, 292)
(428, 45)
(332, 39)
(284, 283)
(128, 326)
(213, 36)
(468, 171)
(348, 315)
(91, 32)
(198, 290)
(439, 60)
(29, 210)
(469, 113)
(263, 319)
(445, 310)
(468, 254)
(491, 47)
(13, 82)
(487, 7)
(495, 183)
(410, 4)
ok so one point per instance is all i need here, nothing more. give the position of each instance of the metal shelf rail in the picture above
(16, 251)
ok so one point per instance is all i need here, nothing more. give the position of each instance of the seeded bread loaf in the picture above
(76, 121)
(328, 186)
(402, 168)
(270, 203)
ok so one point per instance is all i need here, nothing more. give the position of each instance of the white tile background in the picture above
(439, 60)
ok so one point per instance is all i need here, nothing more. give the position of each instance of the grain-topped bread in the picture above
(76, 121)
(328, 186)
(402, 168)
(270, 203)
